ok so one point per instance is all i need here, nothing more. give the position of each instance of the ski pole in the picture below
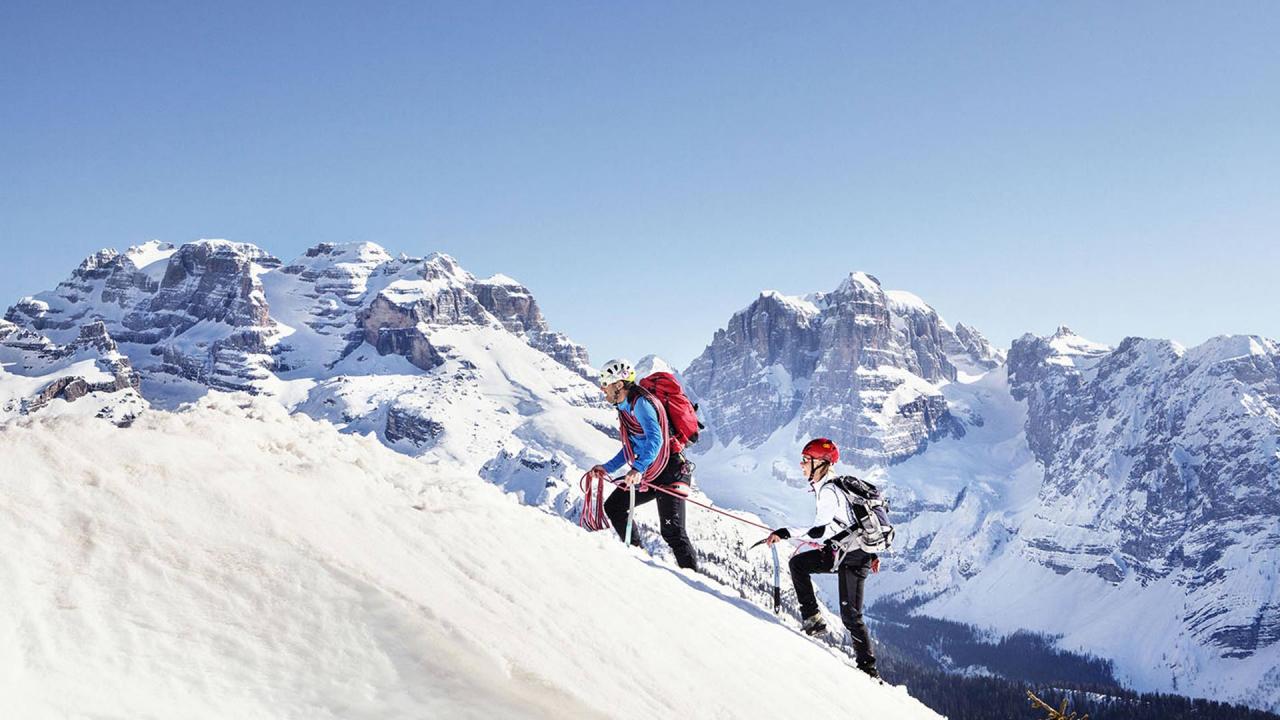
(631, 511)
(777, 581)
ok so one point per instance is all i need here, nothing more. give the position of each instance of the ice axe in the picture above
(777, 576)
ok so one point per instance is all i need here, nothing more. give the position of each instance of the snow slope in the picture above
(232, 560)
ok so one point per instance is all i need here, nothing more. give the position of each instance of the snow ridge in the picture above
(315, 574)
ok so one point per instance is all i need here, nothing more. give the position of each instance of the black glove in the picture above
(783, 533)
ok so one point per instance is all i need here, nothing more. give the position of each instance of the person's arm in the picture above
(647, 448)
(824, 516)
(618, 461)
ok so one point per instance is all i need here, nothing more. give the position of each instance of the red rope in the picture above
(672, 493)
(593, 517)
(628, 425)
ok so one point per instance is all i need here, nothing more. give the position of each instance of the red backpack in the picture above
(682, 415)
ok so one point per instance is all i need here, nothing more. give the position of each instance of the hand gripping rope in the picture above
(593, 517)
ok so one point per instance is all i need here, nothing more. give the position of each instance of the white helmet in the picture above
(615, 370)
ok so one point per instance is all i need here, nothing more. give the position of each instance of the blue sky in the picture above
(648, 168)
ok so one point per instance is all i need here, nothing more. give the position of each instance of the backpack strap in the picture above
(629, 425)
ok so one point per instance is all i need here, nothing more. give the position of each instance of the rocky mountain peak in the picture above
(149, 252)
(439, 266)
(340, 272)
(94, 335)
(226, 315)
(1235, 350)
(803, 308)
(97, 265)
(1170, 447)
(859, 364)
(972, 348)
(209, 280)
(859, 282)
(348, 251)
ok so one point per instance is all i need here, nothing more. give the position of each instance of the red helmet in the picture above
(822, 449)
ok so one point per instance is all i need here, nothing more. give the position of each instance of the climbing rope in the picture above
(593, 517)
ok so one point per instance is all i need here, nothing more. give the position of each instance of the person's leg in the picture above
(671, 514)
(853, 574)
(803, 565)
(616, 506)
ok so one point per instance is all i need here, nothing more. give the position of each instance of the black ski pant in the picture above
(671, 512)
(852, 574)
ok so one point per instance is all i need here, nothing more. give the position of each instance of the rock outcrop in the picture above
(859, 365)
(1159, 462)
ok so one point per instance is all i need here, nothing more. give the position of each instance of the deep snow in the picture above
(231, 560)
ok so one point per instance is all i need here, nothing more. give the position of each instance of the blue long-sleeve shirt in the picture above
(645, 446)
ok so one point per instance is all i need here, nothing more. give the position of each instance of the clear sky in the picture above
(648, 168)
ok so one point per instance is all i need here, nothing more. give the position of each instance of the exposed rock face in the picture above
(340, 271)
(858, 365)
(1159, 463)
(211, 284)
(969, 347)
(93, 344)
(209, 281)
(393, 330)
(436, 292)
(200, 312)
(95, 340)
(1146, 474)
(516, 309)
(227, 315)
(403, 424)
(30, 349)
(326, 290)
(104, 278)
(746, 378)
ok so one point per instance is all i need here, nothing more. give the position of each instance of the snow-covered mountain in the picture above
(233, 561)
(463, 374)
(434, 361)
(1071, 489)
(859, 365)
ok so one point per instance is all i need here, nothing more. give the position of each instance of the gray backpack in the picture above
(870, 531)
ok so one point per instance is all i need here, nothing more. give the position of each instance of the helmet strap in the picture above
(814, 467)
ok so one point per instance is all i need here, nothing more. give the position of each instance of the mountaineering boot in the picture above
(870, 670)
(814, 625)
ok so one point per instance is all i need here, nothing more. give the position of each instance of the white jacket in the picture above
(831, 514)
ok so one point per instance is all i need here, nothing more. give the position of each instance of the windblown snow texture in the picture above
(231, 560)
